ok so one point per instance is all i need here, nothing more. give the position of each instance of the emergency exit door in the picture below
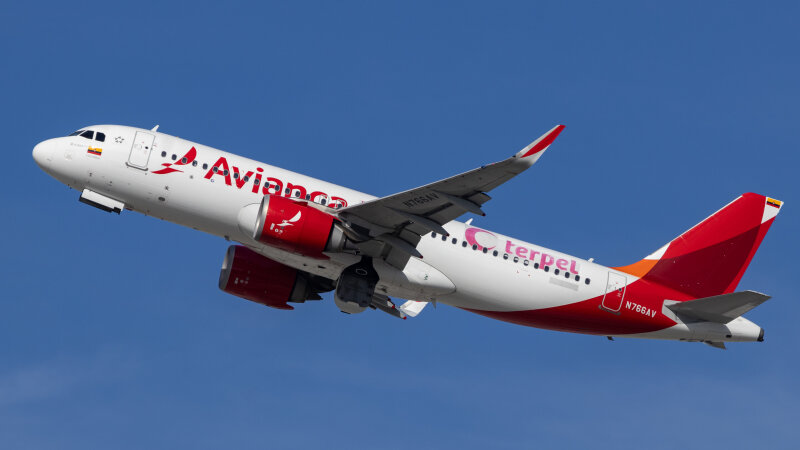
(140, 150)
(615, 292)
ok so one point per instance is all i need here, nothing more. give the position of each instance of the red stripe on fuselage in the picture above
(588, 317)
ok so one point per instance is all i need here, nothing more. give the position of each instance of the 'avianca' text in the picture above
(267, 185)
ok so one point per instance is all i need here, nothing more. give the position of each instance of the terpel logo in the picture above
(481, 238)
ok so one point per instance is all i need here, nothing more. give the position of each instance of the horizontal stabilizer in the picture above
(720, 308)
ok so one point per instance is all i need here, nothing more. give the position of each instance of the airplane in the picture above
(297, 237)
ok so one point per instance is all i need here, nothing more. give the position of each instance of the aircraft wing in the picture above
(397, 222)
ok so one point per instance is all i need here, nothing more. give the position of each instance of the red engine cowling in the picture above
(248, 275)
(294, 226)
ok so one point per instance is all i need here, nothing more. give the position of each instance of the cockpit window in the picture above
(100, 137)
(76, 133)
(88, 134)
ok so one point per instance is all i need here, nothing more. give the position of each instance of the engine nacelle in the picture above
(294, 226)
(253, 277)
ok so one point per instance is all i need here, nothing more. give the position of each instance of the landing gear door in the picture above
(140, 150)
(615, 292)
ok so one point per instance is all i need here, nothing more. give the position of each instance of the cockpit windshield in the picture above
(90, 134)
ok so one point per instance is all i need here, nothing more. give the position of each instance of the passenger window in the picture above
(577, 278)
(255, 181)
(463, 243)
(505, 255)
(516, 259)
(235, 175)
(288, 191)
(566, 274)
(174, 156)
(455, 240)
(225, 172)
(485, 250)
(556, 271)
(215, 169)
(525, 262)
(495, 253)
(184, 160)
(323, 202)
(100, 137)
(535, 265)
(194, 163)
(547, 268)
(205, 167)
(88, 134)
(588, 281)
(308, 196)
(444, 238)
(433, 234)
(474, 246)
(163, 154)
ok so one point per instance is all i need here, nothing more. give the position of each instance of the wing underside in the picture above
(390, 227)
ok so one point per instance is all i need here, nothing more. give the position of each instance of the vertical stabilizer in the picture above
(710, 258)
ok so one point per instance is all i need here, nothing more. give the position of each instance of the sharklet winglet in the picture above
(541, 144)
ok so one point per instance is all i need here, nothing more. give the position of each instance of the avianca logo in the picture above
(233, 175)
(484, 239)
(186, 159)
(290, 222)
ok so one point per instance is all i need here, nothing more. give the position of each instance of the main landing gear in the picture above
(356, 286)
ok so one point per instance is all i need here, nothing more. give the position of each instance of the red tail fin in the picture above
(712, 256)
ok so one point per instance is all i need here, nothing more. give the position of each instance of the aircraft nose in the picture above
(43, 153)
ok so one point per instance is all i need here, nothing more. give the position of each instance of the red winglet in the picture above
(544, 141)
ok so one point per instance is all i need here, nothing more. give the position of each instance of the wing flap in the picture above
(412, 308)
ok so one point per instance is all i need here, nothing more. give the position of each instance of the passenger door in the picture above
(140, 150)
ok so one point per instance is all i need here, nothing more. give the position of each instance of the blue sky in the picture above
(114, 333)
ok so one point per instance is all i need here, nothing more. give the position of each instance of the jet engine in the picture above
(295, 226)
(253, 277)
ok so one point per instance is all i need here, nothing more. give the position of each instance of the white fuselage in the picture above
(508, 276)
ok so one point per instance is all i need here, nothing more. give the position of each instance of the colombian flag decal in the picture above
(95, 151)
(773, 202)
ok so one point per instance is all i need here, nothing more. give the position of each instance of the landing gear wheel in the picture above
(356, 286)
